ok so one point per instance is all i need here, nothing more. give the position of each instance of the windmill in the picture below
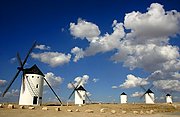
(32, 82)
(148, 95)
(123, 98)
(80, 93)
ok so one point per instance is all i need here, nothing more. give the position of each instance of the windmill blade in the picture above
(73, 90)
(11, 83)
(151, 97)
(79, 94)
(88, 98)
(53, 91)
(142, 95)
(143, 88)
(29, 52)
(19, 60)
(71, 94)
(76, 88)
(77, 84)
(151, 86)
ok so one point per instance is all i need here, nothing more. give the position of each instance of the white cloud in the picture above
(53, 80)
(95, 80)
(146, 46)
(114, 87)
(133, 81)
(84, 29)
(52, 58)
(13, 60)
(137, 94)
(153, 26)
(43, 47)
(84, 79)
(167, 85)
(14, 92)
(88, 94)
(78, 52)
(101, 44)
(3, 83)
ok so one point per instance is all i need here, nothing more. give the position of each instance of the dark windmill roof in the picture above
(168, 95)
(33, 70)
(149, 91)
(123, 93)
(81, 88)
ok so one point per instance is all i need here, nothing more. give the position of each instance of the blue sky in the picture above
(108, 46)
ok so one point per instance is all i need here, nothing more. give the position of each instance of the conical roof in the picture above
(123, 93)
(33, 70)
(168, 95)
(149, 91)
(81, 88)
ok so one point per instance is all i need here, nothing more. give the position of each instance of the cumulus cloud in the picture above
(153, 26)
(53, 80)
(84, 29)
(101, 44)
(137, 94)
(84, 79)
(133, 81)
(43, 47)
(167, 85)
(3, 83)
(52, 58)
(141, 41)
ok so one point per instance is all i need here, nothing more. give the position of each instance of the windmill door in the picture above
(83, 101)
(35, 100)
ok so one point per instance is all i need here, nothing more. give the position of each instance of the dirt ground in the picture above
(110, 110)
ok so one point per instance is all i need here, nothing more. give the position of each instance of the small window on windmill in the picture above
(32, 76)
(38, 77)
(26, 76)
(37, 86)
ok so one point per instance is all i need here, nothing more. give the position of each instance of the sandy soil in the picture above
(121, 110)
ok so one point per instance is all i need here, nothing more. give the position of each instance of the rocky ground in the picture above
(92, 110)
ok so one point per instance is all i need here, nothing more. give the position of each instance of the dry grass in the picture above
(143, 110)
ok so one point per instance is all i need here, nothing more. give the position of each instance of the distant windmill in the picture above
(32, 83)
(80, 94)
(123, 98)
(148, 95)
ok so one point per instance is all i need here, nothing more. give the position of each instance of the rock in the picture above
(57, 109)
(123, 112)
(148, 112)
(135, 112)
(77, 110)
(89, 111)
(103, 110)
(22, 107)
(69, 110)
(113, 111)
(141, 112)
(1, 106)
(44, 108)
(10, 106)
(151, 111)
(31, 107)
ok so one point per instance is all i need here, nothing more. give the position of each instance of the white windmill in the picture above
(32, 83)
(148, 95)
(123, 98)
(80, 94)
(169, 99)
